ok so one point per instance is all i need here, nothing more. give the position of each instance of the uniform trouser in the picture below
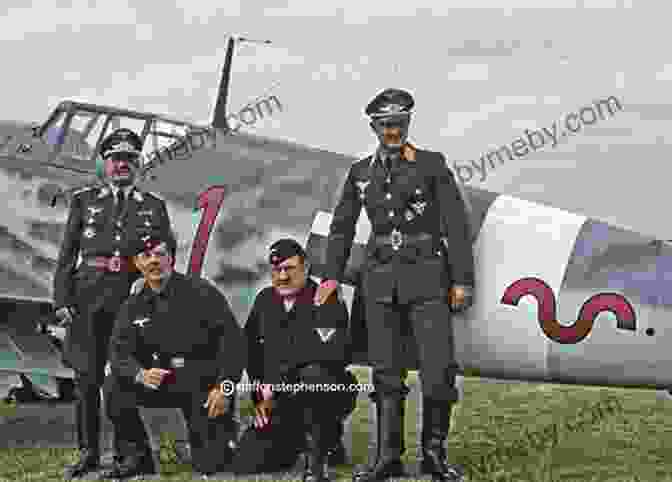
(276, 446)
(123, 399)
(88, 384)
(428, 324)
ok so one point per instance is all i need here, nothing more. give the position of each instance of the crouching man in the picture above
(292, 342)
(173, 344)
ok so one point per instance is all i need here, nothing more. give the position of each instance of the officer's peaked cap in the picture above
(284, 249)
(390, 102)
(121, 140)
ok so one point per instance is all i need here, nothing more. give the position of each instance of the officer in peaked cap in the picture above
(87, 294)
(419, 270)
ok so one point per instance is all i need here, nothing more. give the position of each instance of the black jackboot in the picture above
(390, 442)
(87, 418)
(337, 455)
(435, 428)
(316, 468)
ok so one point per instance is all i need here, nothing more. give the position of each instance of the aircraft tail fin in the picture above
(219, 120)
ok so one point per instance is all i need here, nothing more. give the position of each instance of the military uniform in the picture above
(94, 276)
(301, 343)
(188, 328)
(419, 248)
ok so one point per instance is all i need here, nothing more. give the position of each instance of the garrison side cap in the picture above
(390, 102)
(284, 249)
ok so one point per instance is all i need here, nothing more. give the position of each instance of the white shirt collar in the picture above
(127, 189)
(289, 303)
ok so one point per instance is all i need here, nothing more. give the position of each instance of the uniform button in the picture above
(390, 214)
(388, 196)
(117, 252)
(117, 238)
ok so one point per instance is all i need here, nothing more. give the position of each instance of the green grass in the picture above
(564, 442)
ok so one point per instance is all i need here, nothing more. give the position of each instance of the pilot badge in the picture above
(89, 232)
(361, 186)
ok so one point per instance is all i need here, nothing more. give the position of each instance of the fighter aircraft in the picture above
(582, 310)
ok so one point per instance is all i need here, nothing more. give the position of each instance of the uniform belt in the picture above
(179, 361)
(113, 264)
(397, 239)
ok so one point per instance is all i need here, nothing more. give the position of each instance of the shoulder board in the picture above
(154, 195)
(83, 189)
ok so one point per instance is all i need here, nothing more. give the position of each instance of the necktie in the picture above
(121, 199)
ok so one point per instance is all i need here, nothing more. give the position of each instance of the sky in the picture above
(481, 73)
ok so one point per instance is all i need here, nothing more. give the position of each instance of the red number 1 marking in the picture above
(210, 201)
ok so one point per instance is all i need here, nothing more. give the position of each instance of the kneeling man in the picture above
(173, 344)
(292, 342)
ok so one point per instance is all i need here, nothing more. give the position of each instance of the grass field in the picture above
(502, 432)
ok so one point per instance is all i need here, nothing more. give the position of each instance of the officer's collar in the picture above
(110, 188)
(381, 155)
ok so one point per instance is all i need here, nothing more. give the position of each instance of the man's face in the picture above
(289, 276)
(155, 264)
(121, 167)
(391, 131)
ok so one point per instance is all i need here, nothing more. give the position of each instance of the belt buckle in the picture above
(396, 239)
(114, 264)
(177, 362)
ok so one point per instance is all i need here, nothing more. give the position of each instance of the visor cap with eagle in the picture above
(121, 141)
(390, 102)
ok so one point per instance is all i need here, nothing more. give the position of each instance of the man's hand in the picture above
(324, 291)
(264, 407)
(459, 298)
(154, 376)
(218, 403)
(65, 315)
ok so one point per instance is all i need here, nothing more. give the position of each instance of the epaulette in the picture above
(153, 194)
(83, 189)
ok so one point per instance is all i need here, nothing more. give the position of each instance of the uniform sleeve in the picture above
(334, 314)
(232, 352)
(123, 345)
(455, 226)
(342, 229)
(255, 351)
(67, 256)
(164, 218)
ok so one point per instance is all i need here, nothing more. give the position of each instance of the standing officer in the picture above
(291, 340)
(419, 268)
(174, 343)
(87, 295)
